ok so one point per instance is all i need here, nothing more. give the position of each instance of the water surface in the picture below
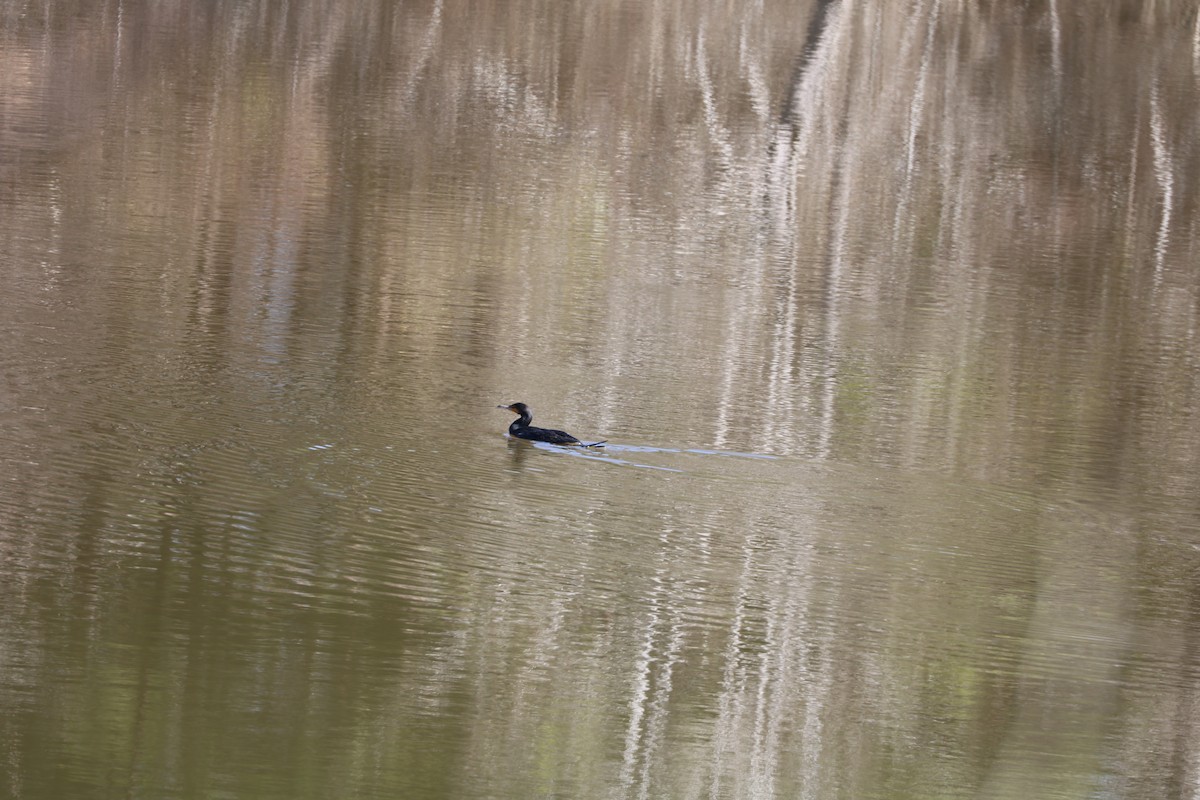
(889, 315)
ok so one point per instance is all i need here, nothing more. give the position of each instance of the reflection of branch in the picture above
(794, 128)
(786, 155)
(517, 104)
(916, 117)
(651, 695)
(409, 87)
(774, 690)
(1162, 172)
(716, 131)
(816, 27)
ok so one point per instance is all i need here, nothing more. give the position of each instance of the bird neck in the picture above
(522, 422)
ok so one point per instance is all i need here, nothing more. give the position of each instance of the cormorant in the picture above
(521, 429)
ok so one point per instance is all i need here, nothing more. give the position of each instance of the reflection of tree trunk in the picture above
(785, 157)
(816, 27)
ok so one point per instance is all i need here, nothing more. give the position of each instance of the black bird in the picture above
(521, 429)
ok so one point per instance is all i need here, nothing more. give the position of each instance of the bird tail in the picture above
(593, 444)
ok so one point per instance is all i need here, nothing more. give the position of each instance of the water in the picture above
(889, 316)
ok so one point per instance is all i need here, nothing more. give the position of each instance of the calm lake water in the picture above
(890, 314)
